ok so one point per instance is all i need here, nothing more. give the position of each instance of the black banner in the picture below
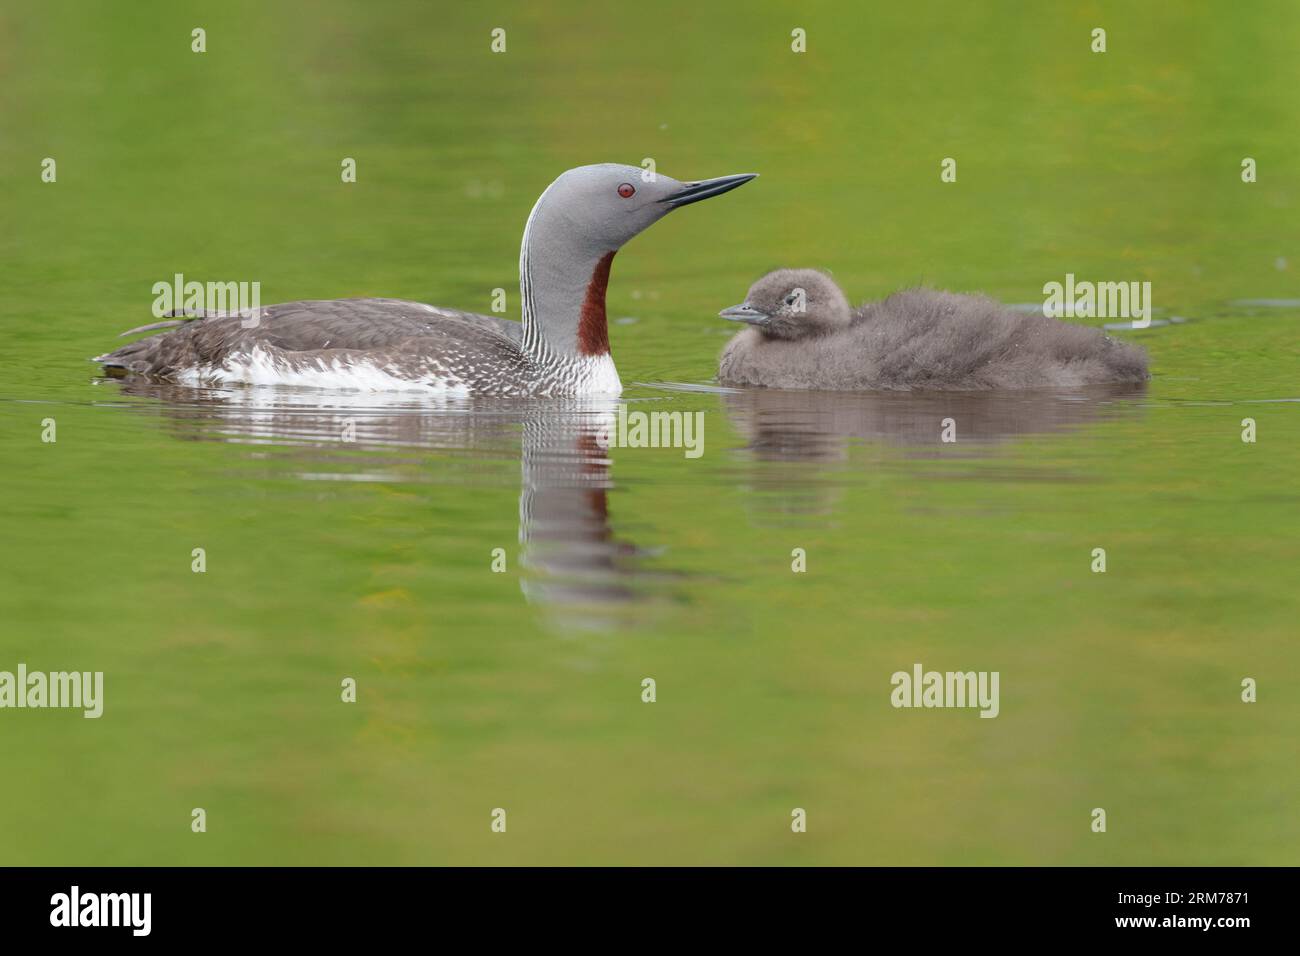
(330, 906)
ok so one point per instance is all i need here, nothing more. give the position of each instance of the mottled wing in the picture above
(303, 330)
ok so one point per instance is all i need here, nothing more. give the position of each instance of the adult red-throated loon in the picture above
(560, 349)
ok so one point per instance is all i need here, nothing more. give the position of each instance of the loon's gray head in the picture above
(605, 205)
(792, 304)
(575, 228)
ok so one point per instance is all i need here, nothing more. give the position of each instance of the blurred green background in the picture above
(1118, 690)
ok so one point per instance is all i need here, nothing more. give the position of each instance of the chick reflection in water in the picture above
(569, 557)
(793, 436)
(817, 426)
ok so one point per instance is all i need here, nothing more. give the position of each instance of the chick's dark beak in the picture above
(745, 313)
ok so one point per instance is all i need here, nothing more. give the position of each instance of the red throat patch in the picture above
(593, 329)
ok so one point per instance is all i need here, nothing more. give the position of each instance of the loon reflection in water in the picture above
(568, 553)
(572, 561)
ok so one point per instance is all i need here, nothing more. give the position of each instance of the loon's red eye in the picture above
(626, 190)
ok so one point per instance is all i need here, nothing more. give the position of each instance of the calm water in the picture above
(522, 690)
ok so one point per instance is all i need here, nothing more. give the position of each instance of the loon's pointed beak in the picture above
(706, 189)
(745, 313)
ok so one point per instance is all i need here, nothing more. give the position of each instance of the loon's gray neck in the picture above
(562, 279)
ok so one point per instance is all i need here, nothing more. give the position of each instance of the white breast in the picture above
(598, 376)
(451, 374)
(260, 367)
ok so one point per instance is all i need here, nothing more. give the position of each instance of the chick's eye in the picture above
(790, 299)
(626, 190)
